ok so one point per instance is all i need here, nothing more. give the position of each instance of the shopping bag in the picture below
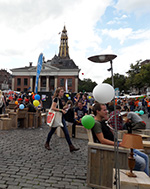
(54, 119)
(57, 120)
(50, 117)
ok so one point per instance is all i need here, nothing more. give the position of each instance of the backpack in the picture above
(1, 102)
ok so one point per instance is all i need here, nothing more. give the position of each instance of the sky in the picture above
(94, 27)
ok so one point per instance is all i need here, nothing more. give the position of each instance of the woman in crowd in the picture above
(2, 102)
(84, 101)
(76, 99)
(59, 93)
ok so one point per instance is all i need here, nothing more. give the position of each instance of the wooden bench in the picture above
(80, 131)
(22, 116)
(142, 131)
(101, 163)
(44, 117)
(5, 123)
(142, 181)
(32, 119)
(14, 119)
(11, 105)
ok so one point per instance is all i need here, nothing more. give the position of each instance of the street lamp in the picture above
(103, 59)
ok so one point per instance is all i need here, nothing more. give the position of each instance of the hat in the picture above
(19, 99)
(26, 100)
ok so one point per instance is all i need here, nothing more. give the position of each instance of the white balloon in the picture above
(103, 93)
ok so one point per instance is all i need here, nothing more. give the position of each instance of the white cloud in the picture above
(29, 28)
(136, 6)
(117, 20)
(121, 33)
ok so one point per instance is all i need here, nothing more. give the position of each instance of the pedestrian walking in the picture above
(59, 93)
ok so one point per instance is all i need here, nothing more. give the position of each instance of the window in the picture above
(51, 82)
(43, 81)
(18, 81)
(70, 82)
(25, 81)
(62, 82)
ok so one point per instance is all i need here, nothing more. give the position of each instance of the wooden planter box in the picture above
(80, 132)
(5, 124)
(13, 116)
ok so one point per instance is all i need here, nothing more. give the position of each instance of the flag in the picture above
(29, 88)
(39, 67)
(66, 85)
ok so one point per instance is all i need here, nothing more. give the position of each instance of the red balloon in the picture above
(33, 97)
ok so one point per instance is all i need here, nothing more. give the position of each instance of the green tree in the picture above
(86, 85)
(145, 73)
(135, 78)
(119, 81)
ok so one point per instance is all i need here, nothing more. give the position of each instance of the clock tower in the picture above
(64, 48)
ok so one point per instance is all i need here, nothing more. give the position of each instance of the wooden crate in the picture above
(5, 124)
(101, 162)
(32, 119)
(81, 132)
(22, 115)
(60, 132)
(142, 131)
(142, 181)
(11, 105)
(13, 116)
(44, 117)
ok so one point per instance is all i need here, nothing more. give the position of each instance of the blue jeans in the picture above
(65, 130)
(141, 161)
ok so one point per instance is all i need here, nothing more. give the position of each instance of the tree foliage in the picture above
(86, 85)
(119, 81)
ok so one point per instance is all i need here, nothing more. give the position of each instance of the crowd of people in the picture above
(25, 99)
(73, 111)
(125, 116)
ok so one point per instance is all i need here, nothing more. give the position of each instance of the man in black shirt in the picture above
(101, 132)
(80, 111)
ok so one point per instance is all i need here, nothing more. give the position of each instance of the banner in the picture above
(39, 67)
(66, 85)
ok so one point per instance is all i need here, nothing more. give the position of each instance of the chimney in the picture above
(30, 64)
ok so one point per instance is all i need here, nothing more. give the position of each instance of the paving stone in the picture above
(26, 164)
(3, 186)
(2, 181)
(14, 187)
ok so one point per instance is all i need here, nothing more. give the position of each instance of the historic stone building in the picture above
(54, 72)
(5, 80)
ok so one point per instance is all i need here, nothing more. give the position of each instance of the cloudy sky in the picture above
(121, 27)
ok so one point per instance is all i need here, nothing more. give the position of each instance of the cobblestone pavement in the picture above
(26, 164)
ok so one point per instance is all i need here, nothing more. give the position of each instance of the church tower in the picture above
(64, 48)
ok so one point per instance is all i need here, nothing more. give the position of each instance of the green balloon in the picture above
(137, 112)
(141, 112)
(88, 121)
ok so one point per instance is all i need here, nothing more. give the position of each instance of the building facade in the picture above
(57, 72)
(5, 80)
